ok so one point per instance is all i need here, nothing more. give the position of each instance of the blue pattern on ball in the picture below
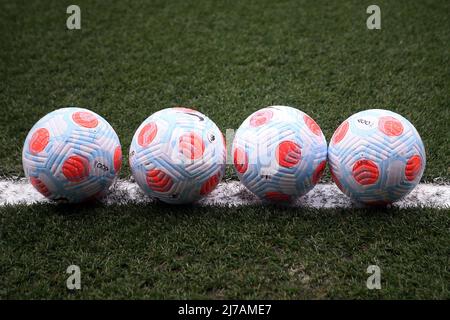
(387, 145)
(97, 145)
(181, 179)
(260, 137)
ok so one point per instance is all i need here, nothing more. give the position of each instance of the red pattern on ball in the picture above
(340, 132)
(117, 159)
(319, 172)
(191, 145)
(147, 134)
(365, 172)
(210, 184)
(288, 154)
(39, 140)
(413, 167)
(85, 119)
(40, 186)
(390, 126)
(240, 160)
(336, 180)
(312, 125)
(76, 168)
(261, 117)
(277, 196)
(159, 181)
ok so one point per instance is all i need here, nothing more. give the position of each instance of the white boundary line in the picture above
(232, 194)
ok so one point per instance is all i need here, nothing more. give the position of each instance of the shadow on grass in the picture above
(158, 210)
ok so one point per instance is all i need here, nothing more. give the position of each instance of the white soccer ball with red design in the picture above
(72, 155)
(376, 157)
(178, 155)
(279, 153)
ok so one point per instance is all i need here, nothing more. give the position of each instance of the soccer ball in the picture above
(178, 155)
(279, 153)
(376, 157)
(72, 155)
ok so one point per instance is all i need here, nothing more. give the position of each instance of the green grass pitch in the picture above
(227, 59)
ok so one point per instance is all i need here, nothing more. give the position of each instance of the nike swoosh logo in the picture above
(195, 115)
